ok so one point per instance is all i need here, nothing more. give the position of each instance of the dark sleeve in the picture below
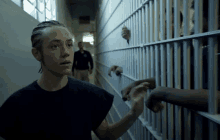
(102, 104)
(90, 60)
(74, 62)
(9, 119)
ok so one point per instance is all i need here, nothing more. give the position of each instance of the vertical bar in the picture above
(144, 76)
(134, 68)
(143, 25)
(169, 68)
(163, 67)
(132, 31)
(135, 30)
(137, 26)
(177, 61)
(198, 64)
(152, 54)
(186, 67)
(132, 63)
(147, 59)
(136, 4)
(143, 54)
(45, 7)
(148, 76)
(140, 31)
(212, 59)
(140, 63)
(157, 59)
(136, 63)
(147, 22)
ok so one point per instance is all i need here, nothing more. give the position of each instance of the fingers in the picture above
(152, 82)
(140, 88)
(125, 94)
(154, 105)
(112, 68)
(118, 71)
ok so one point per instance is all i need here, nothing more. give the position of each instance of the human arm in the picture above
(108, 131)
(193, 99)
(113, 131)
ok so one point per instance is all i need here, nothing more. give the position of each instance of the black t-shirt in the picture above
(82, 60)
(69, 113)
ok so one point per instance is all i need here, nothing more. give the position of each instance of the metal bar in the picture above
(135, 30)
(169, 68)
(152, 54)
(212, 59)
(186, 70)
(143, 25)
(45, 9)
(147, 111)
(137, 33)
(33, 5)
(198, 64)
(140, 63)
(102, 28)
(135, 63)
(140, 31)
(177, 61)
(156, 10)
(131, 60)
(212, 66)
(148, 76)
(102, 13)
(145, 76)
(163, 67)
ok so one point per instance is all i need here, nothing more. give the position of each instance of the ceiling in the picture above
(83, 8)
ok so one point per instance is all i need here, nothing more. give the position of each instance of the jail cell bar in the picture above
(145, 56)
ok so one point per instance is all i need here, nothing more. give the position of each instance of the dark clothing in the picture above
(82, 60)
(70, 113)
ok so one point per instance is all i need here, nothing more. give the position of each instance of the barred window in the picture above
(42, 10)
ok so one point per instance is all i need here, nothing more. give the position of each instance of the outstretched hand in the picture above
(126, 90)
(137, 98)
(116, 69)
(153, 103)
(136, 91)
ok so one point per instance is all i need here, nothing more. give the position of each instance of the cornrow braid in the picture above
(37, 33)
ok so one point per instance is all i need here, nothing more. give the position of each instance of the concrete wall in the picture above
(17, 65)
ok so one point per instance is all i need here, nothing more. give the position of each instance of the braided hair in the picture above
(37, 33)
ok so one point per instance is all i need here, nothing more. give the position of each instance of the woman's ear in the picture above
(36, 54)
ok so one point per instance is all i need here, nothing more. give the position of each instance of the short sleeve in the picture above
(9, 118)
(102, 104)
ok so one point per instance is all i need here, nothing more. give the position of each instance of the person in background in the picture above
(80, 63)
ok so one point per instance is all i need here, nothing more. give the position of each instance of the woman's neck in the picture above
(50, 82)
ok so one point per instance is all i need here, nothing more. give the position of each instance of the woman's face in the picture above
(57, 48)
